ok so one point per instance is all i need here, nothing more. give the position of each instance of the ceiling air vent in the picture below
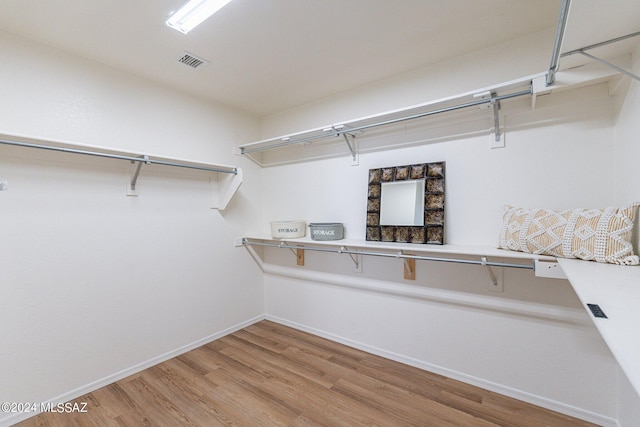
(192, 60)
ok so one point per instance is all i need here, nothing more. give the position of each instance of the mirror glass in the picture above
(402, 203)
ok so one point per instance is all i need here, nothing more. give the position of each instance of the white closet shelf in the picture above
(350, 129)
(341, 137)
(465, 254)
(225, 179)
(615, 289)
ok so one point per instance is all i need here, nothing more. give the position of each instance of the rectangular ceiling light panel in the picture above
(193, 13)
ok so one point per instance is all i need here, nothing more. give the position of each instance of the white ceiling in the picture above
(270, 55)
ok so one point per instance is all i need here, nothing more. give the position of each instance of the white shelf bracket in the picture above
(352, 145)
(496, 119)
(353, 257)
(349, 138)
(496, 282)
(493, 102)
(134, 179)
(223, 188)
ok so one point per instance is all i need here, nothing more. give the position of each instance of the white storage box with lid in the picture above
(288, 229)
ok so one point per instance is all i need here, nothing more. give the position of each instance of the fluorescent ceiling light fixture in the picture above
(193, 13)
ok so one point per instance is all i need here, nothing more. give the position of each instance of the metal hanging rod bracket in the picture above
(494, 280)
(134, 180)
(351, 147)
(496, 119)
(353, 257)
(494, 104)
(343, 130)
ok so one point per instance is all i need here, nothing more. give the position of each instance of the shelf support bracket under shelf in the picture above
(354, 258)
(409, 266)
(134, 179)
(351, 145)
(298, 252)
(496, 119)
(492, 275)
(496, 282)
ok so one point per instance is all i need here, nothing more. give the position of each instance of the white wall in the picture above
(560, 155)
(96, 284)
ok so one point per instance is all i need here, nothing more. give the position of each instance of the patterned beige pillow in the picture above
(602, 235)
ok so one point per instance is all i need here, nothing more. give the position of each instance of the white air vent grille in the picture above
(192, 60)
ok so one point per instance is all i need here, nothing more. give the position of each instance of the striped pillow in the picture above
(602, 235)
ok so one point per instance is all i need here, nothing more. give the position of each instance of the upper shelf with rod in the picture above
(348, 131)
(344, 136)
(225, 179)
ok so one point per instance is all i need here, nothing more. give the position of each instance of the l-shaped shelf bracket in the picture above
(134, 179)
(354, 258)
(343, 130)
(351, 147)
(494, 103)
(496, 118)
(494, 280)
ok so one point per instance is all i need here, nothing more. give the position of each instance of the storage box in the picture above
(288, 229)
(326, 230)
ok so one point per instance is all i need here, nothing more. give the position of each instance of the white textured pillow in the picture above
(602, 235)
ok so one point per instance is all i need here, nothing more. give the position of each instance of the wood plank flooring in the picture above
(271, 375)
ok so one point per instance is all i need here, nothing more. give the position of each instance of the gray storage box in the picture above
(326, 230)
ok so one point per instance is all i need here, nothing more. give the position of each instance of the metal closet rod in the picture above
(143, 159)
(338, 130)
(401, 255)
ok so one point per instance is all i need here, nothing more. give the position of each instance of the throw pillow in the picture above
(602, 235)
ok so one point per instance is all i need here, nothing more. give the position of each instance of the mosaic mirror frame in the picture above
(432, 232)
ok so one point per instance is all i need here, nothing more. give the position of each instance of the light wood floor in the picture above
(272, 375)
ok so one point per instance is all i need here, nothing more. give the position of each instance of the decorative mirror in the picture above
(406, 204)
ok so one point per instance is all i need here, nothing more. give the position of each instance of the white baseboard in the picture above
(479, 382)
(14, 418)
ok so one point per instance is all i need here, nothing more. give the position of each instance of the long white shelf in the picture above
(616, 290)
(349, 129)
(225, 179)
(401, 250)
